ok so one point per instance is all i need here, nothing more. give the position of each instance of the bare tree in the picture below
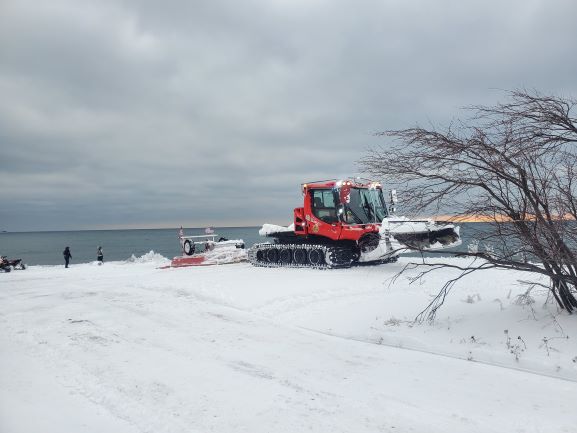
(513, 165)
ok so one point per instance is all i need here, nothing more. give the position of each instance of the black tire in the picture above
(316, 257)
(272, 255)
(260, 256)
(286, 256)
(300, 256)
(188, 247)
(369, 242)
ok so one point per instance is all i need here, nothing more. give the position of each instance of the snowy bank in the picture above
(128, 347)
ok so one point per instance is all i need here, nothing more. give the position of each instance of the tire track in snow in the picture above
(436, 353)
(106, 388)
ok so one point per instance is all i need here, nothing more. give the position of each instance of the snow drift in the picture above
(127, 347)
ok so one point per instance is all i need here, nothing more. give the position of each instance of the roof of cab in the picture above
(331, 183)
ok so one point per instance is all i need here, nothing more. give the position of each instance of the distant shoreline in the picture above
(440, 218)
(125, 229)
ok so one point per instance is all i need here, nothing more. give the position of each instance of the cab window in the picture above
(323, 205)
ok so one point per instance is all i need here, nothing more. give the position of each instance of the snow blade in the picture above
(424, 235)
(446, 237)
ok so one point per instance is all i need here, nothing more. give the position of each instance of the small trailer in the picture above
(204, 250)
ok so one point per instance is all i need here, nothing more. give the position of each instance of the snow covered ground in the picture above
(127, 347)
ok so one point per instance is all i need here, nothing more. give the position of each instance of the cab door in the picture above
(323, 216)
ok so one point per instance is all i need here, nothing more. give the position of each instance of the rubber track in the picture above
(333, 256)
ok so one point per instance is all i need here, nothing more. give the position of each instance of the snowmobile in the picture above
(344, 223)
(6, 265)
(206, 250)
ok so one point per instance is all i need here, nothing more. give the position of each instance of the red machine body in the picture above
(340, 224)
(327, 213)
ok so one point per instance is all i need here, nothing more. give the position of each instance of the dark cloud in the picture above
(144, 113)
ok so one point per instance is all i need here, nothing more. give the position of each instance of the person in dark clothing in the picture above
(100, 255)
(67, 256)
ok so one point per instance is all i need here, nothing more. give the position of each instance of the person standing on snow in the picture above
(100, 255)
(67, 256)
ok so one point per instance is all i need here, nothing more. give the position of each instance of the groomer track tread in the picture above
(300, 256)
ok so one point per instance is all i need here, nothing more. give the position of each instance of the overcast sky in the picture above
(179, 112)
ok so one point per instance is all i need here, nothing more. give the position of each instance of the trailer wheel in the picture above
(316, 257)
(272, 255)
(188, 247)
(285, 256)
(300, 256)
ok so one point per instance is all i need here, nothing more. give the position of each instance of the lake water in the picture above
(45, 248)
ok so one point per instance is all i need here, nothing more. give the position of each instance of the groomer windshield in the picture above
(365, 206)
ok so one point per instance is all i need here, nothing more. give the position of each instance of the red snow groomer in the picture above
(347, 222)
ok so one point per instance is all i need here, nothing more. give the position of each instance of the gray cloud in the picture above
(140, 113)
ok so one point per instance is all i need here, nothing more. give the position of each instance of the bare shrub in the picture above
(513, 165)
